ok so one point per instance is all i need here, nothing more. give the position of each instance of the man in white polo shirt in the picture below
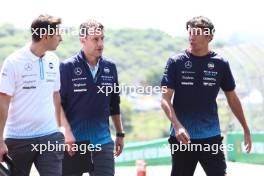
(30, 102)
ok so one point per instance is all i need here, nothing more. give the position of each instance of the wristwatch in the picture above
(120, 134)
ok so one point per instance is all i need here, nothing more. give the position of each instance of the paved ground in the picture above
(234, 169)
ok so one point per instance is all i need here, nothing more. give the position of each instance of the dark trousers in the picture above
(103, 162)
(48, 163)
(210, 156)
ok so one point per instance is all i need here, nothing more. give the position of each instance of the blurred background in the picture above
(140, 37)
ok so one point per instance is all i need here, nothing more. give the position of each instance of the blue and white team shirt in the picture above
(196, 82)
(86, 107)
(31, 82)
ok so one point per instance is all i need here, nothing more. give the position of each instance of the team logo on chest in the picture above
(51, 65)
(188, 64)
(28, 66)
(210, 65)
(77, 71)
(106, 70)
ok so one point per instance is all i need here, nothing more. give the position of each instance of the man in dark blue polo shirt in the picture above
(85, 79)
(195, 77)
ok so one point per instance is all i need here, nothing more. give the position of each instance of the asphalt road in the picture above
(233, 169)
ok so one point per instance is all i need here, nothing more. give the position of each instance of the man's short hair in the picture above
(201, 22)
(90, 27)
(44, 24)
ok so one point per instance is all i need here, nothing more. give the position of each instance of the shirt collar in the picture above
(94, 68)
(82, 56)
(31, 55)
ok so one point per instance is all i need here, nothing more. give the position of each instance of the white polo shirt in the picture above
(30, 81)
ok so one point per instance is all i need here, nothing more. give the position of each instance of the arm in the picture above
(57, 105)
(69, 137)
(7, 89)
(237, 110)
(4, 105)
(65, 126)
(181, 133)
(116, 118)
(119, 142)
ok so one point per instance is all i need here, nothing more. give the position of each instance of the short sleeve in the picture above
(7, 78)
(57, 84)
(227, 82)
(64, 83)
(169, 76)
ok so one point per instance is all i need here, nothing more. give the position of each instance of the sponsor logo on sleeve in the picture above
(51, 65)
(4, 72)
(106, 70)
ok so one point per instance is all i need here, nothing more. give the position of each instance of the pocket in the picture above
(57, 139)
(215, 140)
(19, 144)
(173, 140)
(61, 135)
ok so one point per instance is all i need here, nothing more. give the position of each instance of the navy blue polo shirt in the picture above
(84, 100)
(196, 82)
